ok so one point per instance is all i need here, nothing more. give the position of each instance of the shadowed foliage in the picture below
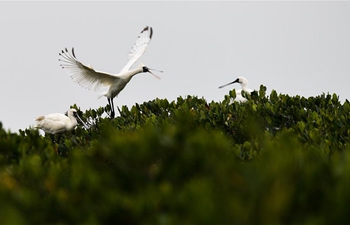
(275, 159)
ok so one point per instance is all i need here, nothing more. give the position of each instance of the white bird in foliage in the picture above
(87, 77)
(58, 123)
(244, 83)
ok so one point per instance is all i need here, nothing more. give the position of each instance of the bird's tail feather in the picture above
(102, 94)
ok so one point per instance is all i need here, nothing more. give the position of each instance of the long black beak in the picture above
(158, 77)
(84, 124)
(229, 83)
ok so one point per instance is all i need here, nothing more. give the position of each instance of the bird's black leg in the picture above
(112, 109)
(111, 104)
(52, 136)
(58, 143)
(59, 138)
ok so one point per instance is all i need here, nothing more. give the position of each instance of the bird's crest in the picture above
(40, 118)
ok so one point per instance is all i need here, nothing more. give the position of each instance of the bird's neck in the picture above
(133, 72)
(244, 87)
(73, 123)
(71, 117)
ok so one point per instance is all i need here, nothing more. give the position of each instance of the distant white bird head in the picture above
(241, 80)
(73, 113)
(145, 69)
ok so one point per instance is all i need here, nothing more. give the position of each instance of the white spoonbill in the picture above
(244, 83)
(87, 77)
(58, 123)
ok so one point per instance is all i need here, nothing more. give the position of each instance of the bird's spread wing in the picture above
(84, 75)
(139, 47)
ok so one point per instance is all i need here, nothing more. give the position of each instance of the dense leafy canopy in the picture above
(275, 159)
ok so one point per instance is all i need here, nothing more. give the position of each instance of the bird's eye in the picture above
(145, 69)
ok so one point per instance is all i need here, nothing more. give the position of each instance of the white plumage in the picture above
(244, 83)
(89, 78)
(57, 123)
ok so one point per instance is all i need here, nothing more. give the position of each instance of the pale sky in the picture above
(295, 48)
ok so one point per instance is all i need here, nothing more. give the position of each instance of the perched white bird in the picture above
(57, 123)
(87, 77)
(244, 83)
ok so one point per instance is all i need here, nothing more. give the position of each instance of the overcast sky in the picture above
(295, 48)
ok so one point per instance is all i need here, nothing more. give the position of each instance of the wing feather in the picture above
(84, 75)
(139, 47)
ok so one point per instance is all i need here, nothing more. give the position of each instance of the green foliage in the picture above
(275, 159)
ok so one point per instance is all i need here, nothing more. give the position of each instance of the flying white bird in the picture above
(57, 123)
(89, 78)
(244, 83)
